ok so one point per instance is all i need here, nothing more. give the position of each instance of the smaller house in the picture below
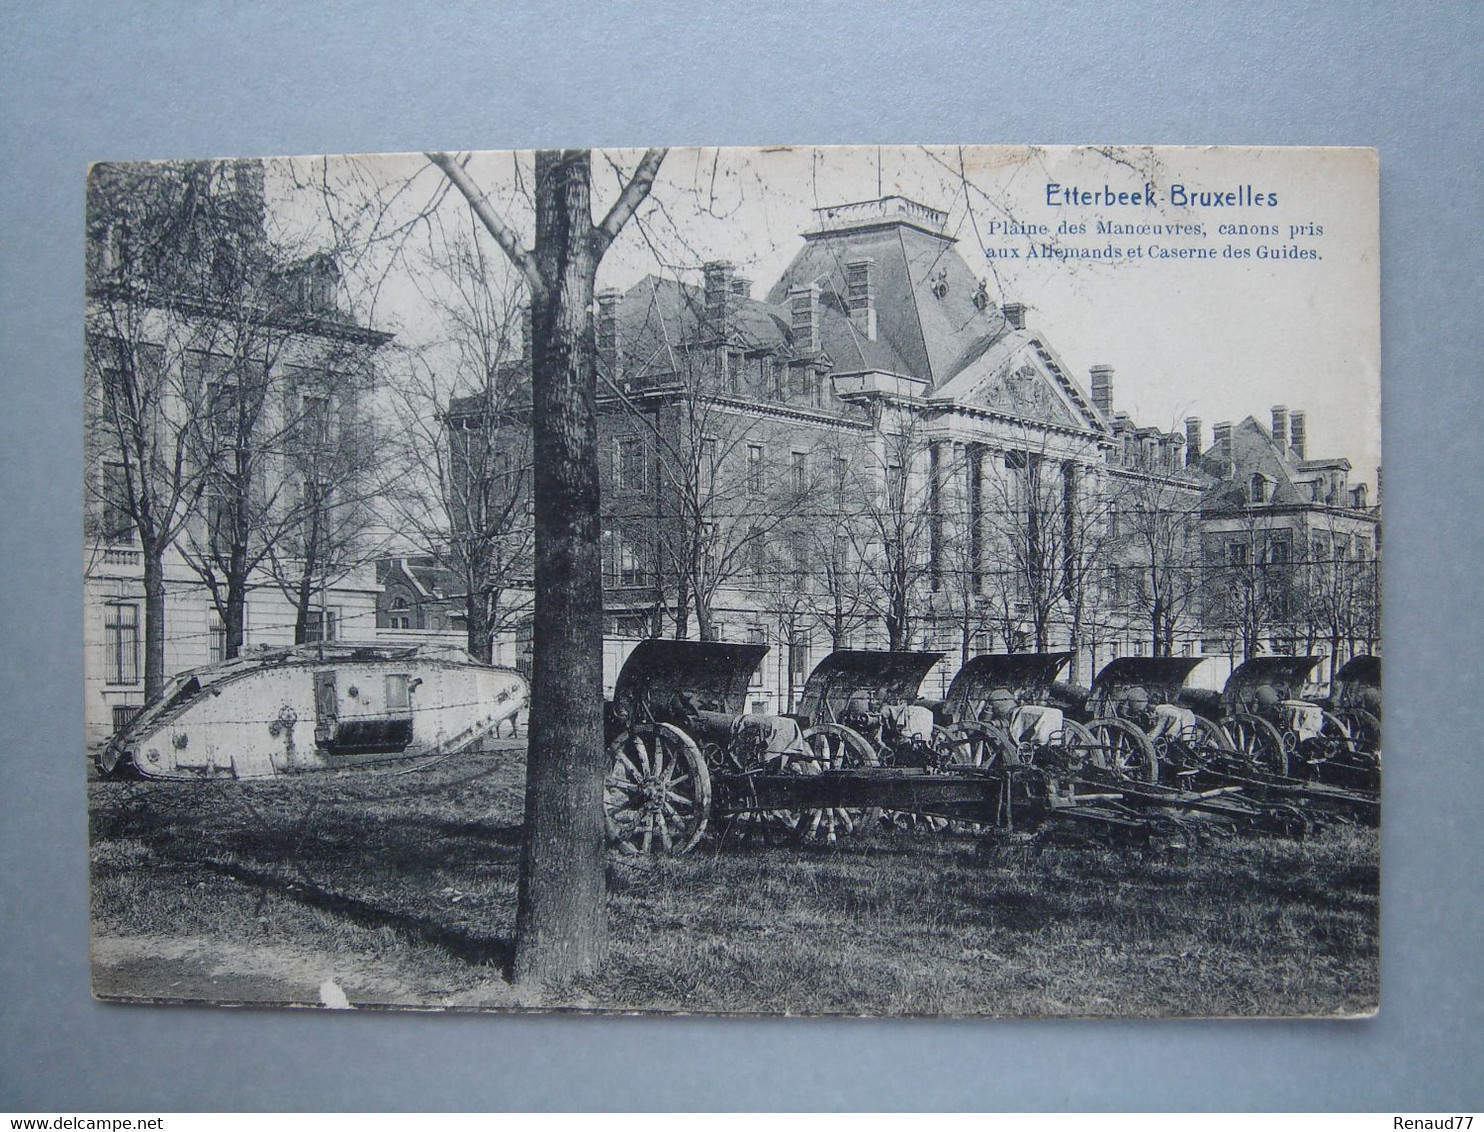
(418, 599)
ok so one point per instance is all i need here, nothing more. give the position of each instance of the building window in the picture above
(223, 399)
(123, 715)
(219, 526)
(117, 525)
(798, 658)
(121, 640)
(710, 460)
(1236, 553)
(799, 468)
(757, 551)
(628, 463)
(401, 616)
(321, 625)
(1259, 487)
(314, 422)
(216, 636)
(756, 636)
(630, 567)
(755, 469)
(1281, 551)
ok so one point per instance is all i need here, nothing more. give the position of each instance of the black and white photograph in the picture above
(880, 580)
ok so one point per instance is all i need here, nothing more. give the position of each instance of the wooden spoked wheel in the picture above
(831, 746)
(1124, 751)
(976, 745)
(657, 796)
(1196, 748)
(1256, 743)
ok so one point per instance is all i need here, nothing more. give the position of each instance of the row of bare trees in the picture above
(227, 394)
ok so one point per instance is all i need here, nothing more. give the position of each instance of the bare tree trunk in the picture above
(154, 621)
(682, 606)
(480, 637)
(560, 925)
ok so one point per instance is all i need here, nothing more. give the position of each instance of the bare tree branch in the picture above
(509, 242)
(631, 198)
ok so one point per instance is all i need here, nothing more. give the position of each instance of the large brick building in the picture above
(1293, 549)
(875, 454)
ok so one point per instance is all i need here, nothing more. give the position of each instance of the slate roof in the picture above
(1254, 451)
(927, 322)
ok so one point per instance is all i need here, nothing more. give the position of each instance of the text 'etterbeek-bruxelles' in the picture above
(1180, 196)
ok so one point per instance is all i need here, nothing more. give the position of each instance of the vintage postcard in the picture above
(926, 580)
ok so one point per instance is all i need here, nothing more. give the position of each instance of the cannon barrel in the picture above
(1071, 698)
(1202, 701)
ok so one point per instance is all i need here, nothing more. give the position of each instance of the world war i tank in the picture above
(314, 708)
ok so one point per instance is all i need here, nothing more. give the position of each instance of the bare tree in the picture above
(560, 924)
(894, 537)
(1156, 567)
(333, 478)
(1251, 577)
(213, 349)
(281, 390)
(823, 541)
(718, 505)
(1336, 591)
(144, 320)
(462, 411)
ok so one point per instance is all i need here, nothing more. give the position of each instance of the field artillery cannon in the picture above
(1008, 710)
(1273, 727)
(1151, 723)
(857, 700)
(682, 752)
(1355, 699)
(667, 730)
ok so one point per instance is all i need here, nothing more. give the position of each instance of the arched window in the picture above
(1259, 488)
(401, 613)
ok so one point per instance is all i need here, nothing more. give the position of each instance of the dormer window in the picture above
(1258, 488)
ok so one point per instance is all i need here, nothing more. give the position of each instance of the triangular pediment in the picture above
(1021, 379)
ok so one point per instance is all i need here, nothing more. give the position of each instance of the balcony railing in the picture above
(876, 211)
(122, 556)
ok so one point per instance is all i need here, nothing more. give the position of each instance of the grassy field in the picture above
(399, 889)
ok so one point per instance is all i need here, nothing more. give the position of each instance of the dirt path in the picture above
(165, 969)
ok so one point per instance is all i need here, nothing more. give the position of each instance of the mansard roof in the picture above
(928, 321)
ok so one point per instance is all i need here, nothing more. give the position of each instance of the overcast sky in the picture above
(1219, 338)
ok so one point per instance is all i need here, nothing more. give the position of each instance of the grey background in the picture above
(201, 79)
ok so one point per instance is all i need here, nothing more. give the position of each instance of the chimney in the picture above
(1280, 427)
(1192, 441)
(860, 296)
(609, 356)
(1014, 315)
(1297, 433)
(803, 305)
(1221, 444)
(742, 286)
(718, 276)
(1102, 390)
